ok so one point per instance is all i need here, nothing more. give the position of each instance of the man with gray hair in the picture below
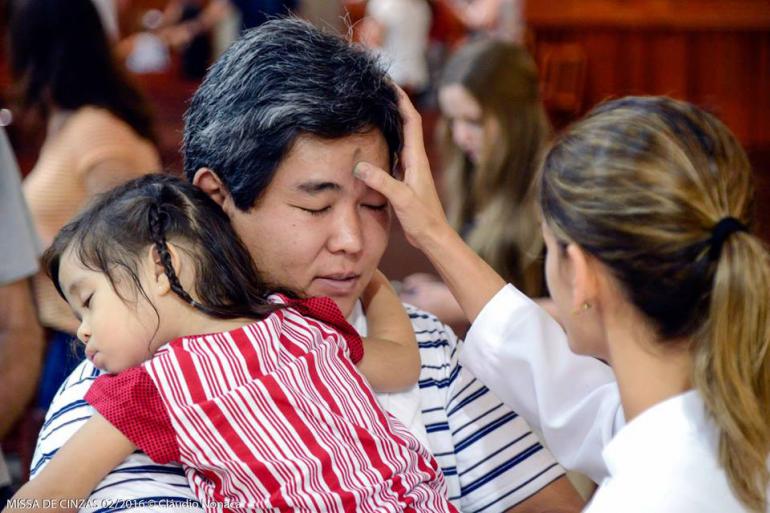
(272, 135)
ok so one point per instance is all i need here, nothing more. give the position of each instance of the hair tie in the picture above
(721, 231)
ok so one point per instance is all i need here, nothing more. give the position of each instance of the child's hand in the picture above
(391, 359)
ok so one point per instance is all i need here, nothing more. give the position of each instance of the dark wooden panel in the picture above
(674, 14)
(666, 65)
(725, 69)
(715, 53)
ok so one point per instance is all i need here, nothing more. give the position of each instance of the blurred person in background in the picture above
(185, 20)
(398, 31)
(500, 19)
(99, 134)
(21, 338)
(187, 25)
(325, 14)
(494, 129)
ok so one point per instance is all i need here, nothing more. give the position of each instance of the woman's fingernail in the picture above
(360, 170)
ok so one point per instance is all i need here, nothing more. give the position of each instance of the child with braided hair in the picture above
(256, 394)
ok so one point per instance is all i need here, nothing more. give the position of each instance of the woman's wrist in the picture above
(438, 240)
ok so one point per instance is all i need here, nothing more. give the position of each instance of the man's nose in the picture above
(347, 235)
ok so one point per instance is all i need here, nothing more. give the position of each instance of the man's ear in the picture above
(583, 277)
(161, 281)
(209, 182)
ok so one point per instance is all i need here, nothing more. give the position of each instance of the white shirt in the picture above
(666, 461)
(518, 350)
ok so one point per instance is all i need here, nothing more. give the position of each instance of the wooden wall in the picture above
(715, 53)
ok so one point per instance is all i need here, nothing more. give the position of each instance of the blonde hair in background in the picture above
(640, 184)
(495, 197)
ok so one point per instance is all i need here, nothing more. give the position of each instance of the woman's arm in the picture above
(514, 347)
(391, 359)
(75, 470)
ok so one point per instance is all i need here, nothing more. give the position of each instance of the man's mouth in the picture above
(338, 284)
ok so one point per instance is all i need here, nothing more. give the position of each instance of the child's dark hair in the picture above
(121, 224)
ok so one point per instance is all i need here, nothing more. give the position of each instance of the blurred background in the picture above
(715, 53)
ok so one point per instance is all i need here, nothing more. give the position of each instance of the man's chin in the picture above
(344, 297)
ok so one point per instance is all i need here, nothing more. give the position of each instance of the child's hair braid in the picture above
(157, 231)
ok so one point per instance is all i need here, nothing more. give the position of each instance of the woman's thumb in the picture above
(378, 180)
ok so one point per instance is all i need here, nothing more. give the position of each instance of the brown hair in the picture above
(641, 183)
(496, 196)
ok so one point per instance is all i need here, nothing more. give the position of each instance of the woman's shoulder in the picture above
(95, 134)
(99, 123)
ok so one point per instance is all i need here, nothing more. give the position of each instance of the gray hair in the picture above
(281, 80)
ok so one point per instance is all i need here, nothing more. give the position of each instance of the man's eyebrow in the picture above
(316, 187)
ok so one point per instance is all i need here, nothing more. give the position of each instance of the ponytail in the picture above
(732, 366)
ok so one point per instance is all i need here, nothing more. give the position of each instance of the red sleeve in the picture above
(327, 311)
(131, 402)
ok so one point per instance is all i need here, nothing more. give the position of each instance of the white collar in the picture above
(659, 430)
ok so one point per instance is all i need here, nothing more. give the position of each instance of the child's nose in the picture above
(84, 333)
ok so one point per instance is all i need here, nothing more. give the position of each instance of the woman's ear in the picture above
(161, 281)
(583, 277)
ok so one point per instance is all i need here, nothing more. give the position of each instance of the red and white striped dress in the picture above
(274, 416)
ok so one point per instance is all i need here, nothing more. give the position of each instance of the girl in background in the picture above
(646, 205)
(257, 396)
(99, 134)
(494, 132)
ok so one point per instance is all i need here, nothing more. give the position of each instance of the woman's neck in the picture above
(648, 371)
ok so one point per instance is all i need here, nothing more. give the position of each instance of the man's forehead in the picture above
(316, 165)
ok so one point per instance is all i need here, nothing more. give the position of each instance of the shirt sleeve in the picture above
(327, 311)
(131, 402)
(518, 351)
(19, 244)
(499, 461)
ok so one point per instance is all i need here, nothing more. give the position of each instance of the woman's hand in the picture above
(414, 200)
(417, 206)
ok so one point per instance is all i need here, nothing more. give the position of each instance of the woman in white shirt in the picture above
(652, 269)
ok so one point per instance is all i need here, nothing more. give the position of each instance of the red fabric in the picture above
(326, 310)
(130, 402)
(275, 416)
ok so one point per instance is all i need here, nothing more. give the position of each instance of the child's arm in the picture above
(75, 470)
(391, 359)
